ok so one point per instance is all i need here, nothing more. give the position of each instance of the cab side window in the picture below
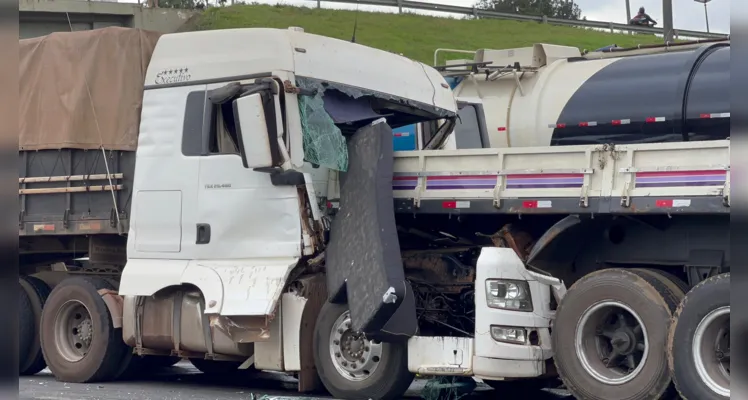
(208, 128)
(222, 137)
(467, 130)
(428, 130)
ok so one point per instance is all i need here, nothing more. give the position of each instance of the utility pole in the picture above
(706, 13)
(628, 11)
(667, 20)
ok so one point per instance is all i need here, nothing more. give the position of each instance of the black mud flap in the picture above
(363, 262)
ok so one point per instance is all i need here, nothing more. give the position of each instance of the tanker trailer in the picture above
(555, 95)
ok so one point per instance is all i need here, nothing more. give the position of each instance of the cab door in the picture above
(241, 214)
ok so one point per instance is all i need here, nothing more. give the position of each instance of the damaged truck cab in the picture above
(228, 239)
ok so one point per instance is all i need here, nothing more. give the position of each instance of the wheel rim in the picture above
(354, 357)
(611, 342)
(73, 331)
(711, 350)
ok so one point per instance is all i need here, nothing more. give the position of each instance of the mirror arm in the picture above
(289, 87)
(286, 158)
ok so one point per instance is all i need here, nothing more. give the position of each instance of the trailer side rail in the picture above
(688, 177)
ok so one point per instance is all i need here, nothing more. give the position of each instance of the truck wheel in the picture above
(38, 291)
(699, 341)
(353, 367)
(609, 336)
(78, 340)
(25, 326)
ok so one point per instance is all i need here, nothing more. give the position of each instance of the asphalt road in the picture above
(184, 382)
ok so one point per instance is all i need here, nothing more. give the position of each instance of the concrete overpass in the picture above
(41, 17)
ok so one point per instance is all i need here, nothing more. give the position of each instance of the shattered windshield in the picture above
(335, 111)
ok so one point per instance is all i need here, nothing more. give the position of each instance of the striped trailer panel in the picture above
(690, 178)
(462, 182)
(446, 182)
(473, 182)
(533, 202)
(404, 182)
(680, 179)
(544, 181)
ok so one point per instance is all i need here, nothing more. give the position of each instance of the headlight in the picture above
(509, 334)
(508, 295)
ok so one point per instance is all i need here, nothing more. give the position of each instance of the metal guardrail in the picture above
(476, 12)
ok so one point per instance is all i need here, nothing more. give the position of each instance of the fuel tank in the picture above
(669, 96)
(174, 321)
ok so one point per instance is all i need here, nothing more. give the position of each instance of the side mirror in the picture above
(257, 141)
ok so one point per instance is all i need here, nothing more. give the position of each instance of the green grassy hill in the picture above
(414, 36)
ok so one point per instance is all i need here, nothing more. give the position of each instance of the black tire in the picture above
(216, 368)
(710, 295)
(25, 326)
(107, 350)
(650, 299)
(38, 291)
(389, 380)
(676, 284)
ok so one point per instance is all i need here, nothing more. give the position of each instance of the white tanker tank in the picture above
(554, 95)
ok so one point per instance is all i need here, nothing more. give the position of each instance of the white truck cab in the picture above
(201, 189)
(220, 230)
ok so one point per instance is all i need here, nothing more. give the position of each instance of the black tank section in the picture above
(680, 86)
(709, 93)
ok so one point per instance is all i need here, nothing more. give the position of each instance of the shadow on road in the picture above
(185, 382)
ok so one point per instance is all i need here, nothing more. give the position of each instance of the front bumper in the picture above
(495, 359)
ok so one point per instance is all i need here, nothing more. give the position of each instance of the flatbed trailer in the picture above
(617, 222)
(672, 178)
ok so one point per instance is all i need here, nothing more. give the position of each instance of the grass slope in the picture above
(414, 36)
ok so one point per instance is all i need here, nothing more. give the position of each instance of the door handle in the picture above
(203, 234)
